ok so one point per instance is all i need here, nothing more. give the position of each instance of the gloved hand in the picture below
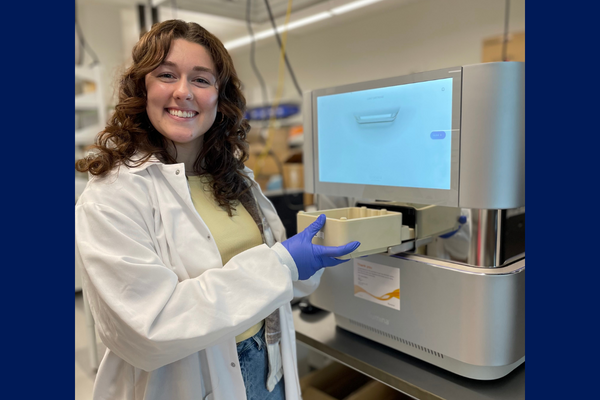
(310, 258)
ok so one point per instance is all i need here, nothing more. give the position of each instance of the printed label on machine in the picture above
(377, 283)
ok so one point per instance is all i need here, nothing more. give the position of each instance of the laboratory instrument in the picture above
(424, 148)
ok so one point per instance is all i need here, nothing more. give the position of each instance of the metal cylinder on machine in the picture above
(485, 238)
(493, 243)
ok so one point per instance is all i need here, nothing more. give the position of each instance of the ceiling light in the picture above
(352, 6)
(235, 43)
(232, 44)
(305, 21)
(280, 29)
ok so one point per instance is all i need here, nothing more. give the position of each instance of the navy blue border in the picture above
(561, 162)
(37, 200)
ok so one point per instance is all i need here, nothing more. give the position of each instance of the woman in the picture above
(185, 264)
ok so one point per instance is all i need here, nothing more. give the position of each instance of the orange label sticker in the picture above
(377, 283)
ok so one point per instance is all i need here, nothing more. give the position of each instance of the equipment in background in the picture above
(446, 150)
(287, 203)
(307, 308)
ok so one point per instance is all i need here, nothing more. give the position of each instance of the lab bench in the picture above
(398, 370)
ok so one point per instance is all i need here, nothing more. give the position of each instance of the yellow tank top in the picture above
(231, 234)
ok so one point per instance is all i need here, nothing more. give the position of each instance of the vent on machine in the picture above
(396, 338)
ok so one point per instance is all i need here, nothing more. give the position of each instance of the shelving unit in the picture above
(90, 100)
(90, 116)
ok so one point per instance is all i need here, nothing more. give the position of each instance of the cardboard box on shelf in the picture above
(277, 154)
(263, 181)
(515, 48)
(375, 390)
(333, 382)
(279, 138)
(254, 135)
(272, 163)
(312, 393)
(309, 199)
(293, 172)
(293, 176)
(268, 166)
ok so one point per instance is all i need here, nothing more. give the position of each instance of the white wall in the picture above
(417, 36)
(394, 38)
(111, 29)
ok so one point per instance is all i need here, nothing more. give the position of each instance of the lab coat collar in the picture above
(175, 175)
(154, 160)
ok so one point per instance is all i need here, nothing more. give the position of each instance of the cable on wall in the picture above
(269, 123)
(506, 19)
(261, 81)
(278, 95)
(287, 62)
(84, 44)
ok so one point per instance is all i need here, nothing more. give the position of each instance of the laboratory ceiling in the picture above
(227, 18)
(237, 9)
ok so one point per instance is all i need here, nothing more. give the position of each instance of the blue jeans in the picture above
(254, 363)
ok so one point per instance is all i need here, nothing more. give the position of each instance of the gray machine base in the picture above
(464, 319)
(460, 368)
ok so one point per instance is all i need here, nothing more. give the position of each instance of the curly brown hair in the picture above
(129, 131)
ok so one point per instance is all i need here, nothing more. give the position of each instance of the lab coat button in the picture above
(177, 172)
(208, 237)
(233, 364)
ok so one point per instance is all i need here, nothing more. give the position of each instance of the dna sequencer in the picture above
(453, 139)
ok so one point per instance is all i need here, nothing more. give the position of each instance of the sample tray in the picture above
(375, 229)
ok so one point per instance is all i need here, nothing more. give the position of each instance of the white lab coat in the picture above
(165, 306)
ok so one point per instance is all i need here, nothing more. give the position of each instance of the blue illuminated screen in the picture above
(391, 136)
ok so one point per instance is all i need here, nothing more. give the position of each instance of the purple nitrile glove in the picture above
(310, 258)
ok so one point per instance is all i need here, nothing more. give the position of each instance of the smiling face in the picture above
(182, 96)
